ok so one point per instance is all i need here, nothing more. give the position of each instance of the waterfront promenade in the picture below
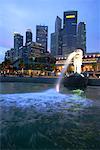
(42, 79)
(28, 79)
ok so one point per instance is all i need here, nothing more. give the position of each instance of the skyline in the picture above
(18, 16)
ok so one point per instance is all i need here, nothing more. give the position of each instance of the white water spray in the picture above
(77, 55)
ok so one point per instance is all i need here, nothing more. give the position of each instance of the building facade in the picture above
(42, 36)
(81, 36)
(9, 55)
(52, 44)
(90, 63)
(56, 38)
(69, 32)
(66, 38)
(58, 24)
(35, 50)
(18, 42)
(28, 36)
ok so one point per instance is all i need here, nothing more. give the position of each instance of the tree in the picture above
(6, 64)
(94, 66)
(21, 65)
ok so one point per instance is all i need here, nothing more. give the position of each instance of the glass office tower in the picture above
(42, 36)
(69, 32)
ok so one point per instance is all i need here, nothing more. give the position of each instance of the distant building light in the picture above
(16, 33)
(62, 67)
(94, 55)
(70, 16)
(20, 47)
(28, 43)
(59, 73)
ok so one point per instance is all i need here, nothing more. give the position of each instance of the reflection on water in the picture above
(15, 87)
(45, 119)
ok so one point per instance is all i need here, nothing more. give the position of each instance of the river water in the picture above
(36, 117)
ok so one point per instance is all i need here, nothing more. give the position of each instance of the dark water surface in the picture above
(36, 117)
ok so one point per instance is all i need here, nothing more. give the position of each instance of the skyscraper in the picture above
(42, 36)
(56, 48)
(18, 42)
(52, 44)
(58, 24)
(28, 36)
(81, 37)
(69, 32)
(9, 55)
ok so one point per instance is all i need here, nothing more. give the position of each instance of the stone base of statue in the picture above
(76, 81)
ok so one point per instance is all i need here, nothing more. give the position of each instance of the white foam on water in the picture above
(49, 99)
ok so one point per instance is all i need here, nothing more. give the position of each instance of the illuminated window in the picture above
(70, 16)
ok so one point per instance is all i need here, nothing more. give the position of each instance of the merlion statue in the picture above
(78, 61)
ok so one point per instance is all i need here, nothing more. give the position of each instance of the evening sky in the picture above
(20, 15)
